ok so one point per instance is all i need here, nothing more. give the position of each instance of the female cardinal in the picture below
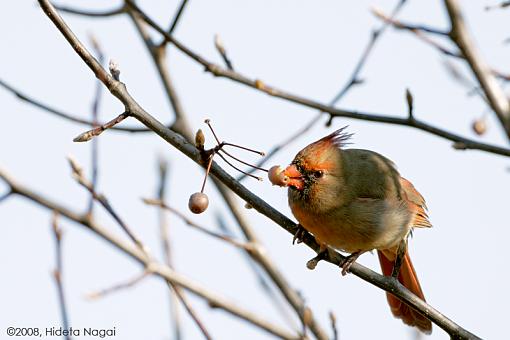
(354, 200)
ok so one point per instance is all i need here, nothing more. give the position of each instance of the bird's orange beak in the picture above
(295, 178)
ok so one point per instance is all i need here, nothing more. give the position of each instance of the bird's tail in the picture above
(407, 276)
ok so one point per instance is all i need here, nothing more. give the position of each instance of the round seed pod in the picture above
(479, 126)
(198, 202)
(276, 176)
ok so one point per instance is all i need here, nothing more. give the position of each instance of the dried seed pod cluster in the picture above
(198, 202)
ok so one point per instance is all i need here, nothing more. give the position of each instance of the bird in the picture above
(355, 201)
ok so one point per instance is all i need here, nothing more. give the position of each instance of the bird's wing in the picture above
(416, 203)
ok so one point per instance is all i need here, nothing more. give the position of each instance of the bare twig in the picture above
(419, 31)
(5, 196)
(332, 319)
(80, 178)
(95, 114)
(61, 114)
(135, 253)
(119, 286)
(257, 84)
(351, 82)
(119, 91)
(57, 273)
(96, 14)
(198, 227)
(176, 291)
(502, 4)
(182, 127)
(88, 135)
(177, 16)
(158, 54)
(220, 47)
(262, 279)
(167, 250)
(400, 25)
(458, 33)
(354, 78)
(494, 93)
(192, 313)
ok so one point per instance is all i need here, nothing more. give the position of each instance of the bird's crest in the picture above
(338, 138)
(318, 155)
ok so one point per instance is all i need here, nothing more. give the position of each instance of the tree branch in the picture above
(119, 90)
(181, 126)
(57, 273)
(218, 71)
(24, 97)
(94, 14)
(149, 264)
(494, 93)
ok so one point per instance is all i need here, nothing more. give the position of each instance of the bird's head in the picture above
(316, 170)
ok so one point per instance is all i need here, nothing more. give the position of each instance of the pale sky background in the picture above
(305, 47)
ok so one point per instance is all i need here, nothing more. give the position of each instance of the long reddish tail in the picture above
(408, 278)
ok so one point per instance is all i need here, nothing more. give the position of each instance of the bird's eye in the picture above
(318, 173)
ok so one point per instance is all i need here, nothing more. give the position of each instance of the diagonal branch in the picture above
(149, 264)
(176, 291)
(177, 16)
(24, 97)
(181, 126)
(119, 90)
(272, 91)
(459, 34)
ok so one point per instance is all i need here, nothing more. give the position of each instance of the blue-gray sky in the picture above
(308, 48)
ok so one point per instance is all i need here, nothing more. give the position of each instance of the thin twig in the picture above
(167, 249)
(135, 253)
(95, 116)
(119, 286)
(459, 34)
(220, 47)
(80, 178)
(418, 31)
(57, 273)
(177, 16)
(502, 4)
(262, 279)
(181, 126)
(257, 84)
(5, 196)
(24, 97)
(158, 54)
(332, 319)
(354, 78)
(88, 135)
(119, 90)
(351, 82)
(96, 14)
(175, 291)
(188, 222)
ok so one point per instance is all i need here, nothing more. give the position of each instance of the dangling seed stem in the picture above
(208, 122)
(243, 162)
(207, 172)
(241, 171)
(245, 148)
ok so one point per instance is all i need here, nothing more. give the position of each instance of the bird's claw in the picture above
(299, 235)
(349, 260)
